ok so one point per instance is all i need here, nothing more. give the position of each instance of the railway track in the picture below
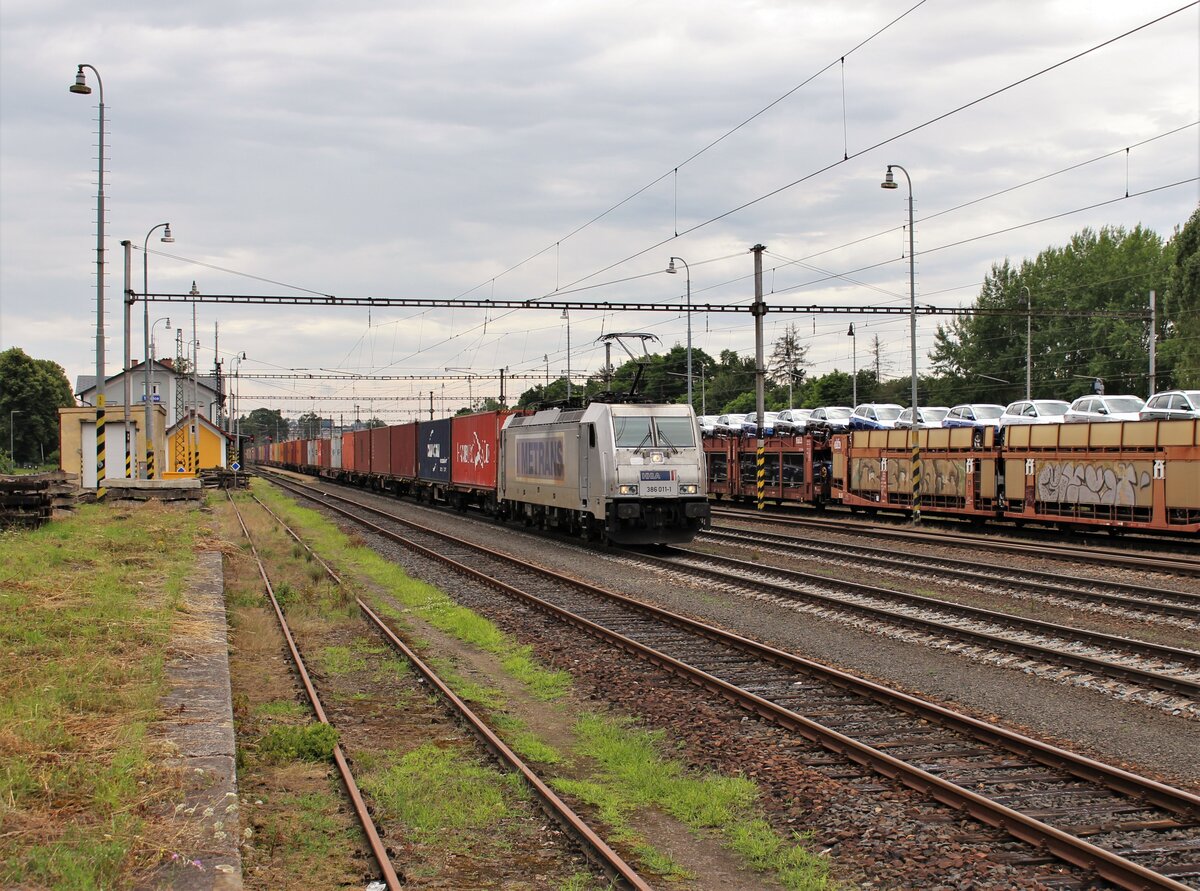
(378, 850)
(1110, 823)
(1090, 654)
(1141, 602)
(1167, 563)
(620, 873)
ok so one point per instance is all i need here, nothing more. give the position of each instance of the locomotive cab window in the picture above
(664, 432)
(631, 432)
(675, 432)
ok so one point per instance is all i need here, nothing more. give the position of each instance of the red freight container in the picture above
(349, 447)
(381, 455)
(404, 451)
(324, 454)
(362, 451)
(475, 446)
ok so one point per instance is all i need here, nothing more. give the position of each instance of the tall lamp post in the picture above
(237, 392)
(889, 182)
(688, 273)
(854, 366)
(80, 86)
(167, 237)
(566, 315)
(1028, 343)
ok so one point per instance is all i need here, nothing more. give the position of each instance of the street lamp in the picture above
(688, 273)
(889, 182)
(237, 392)
(566, 315)
(854, 365)
(470, 375)
(1028, 342)
(167, 237)
(12, 457)
(80, 86)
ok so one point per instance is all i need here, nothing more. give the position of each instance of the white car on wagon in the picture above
(1034, 411)
(1093, 409)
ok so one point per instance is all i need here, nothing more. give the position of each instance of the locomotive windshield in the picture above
(675, 432)
(638, 431)
(631, 432)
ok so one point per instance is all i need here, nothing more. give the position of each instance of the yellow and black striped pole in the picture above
(761, 466)
(100, 474)
(759, 309)
(916, 473)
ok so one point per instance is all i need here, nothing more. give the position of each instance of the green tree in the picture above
(785, 369)
(834, 388)
(262, 423)
(31, 393)
(1178, 358)
(732, 377)
(1076, 291)
(308, 425)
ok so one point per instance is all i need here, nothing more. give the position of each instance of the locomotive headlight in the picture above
(627, 490)
(656, 457)
(688, 489)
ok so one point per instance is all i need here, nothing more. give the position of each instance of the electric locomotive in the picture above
(625, 473)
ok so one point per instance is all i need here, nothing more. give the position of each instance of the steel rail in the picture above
(1065, 846)
(1167, 563)
(608, 860)
(1096, 638)
(1037, 580)
(360, 806)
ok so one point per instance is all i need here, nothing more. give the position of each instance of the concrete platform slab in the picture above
(198, 728)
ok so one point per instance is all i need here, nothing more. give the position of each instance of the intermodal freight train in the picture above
(1134, 475)
(629, 474)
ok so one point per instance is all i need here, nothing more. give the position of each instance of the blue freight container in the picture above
(433, 450)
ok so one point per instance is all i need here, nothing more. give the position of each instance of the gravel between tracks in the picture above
(1118, 732)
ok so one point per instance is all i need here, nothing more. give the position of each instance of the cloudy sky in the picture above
(563, 150)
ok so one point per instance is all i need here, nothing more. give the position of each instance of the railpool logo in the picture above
(540, 459)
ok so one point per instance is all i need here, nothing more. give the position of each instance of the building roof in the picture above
(86, 382)
(204, 422)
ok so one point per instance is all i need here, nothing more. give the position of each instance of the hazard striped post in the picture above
(759, 309)
(100, 474)
(196, 441)
(761, 459)
(916, 472)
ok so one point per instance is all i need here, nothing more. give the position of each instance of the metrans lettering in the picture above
(540, 458)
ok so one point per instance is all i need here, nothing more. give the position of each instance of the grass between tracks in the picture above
(86, 609)
(431, 792)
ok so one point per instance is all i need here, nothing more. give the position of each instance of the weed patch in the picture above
(637, 775)
(85, 623)
(309, 742)
(433, 790)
